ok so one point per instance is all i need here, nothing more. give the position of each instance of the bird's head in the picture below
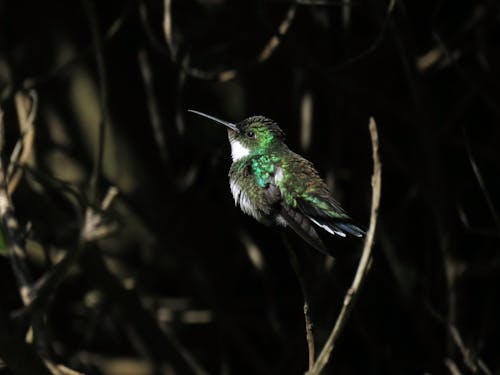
(256, 134)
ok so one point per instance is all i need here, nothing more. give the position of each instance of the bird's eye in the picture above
(250, 134)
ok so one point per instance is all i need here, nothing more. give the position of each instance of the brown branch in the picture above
(154, 113)
(374, 45)
(26, 106)
(11, 227)
(470, 359)
(482, 185)
(17, 254)
(20, 357)
(162, 345)
(225, 74)
(103, 98)
(307, 318)
(338, 3)
(364, 262)
(452, 367)
(111, 32)
(93, 229)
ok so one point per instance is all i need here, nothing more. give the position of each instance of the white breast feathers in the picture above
(242, 200)
(238, 151)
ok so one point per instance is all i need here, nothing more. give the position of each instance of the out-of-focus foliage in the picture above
(183, 273)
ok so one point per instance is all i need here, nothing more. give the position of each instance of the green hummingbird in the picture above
(273, 184)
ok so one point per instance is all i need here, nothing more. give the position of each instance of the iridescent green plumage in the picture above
(275, 185)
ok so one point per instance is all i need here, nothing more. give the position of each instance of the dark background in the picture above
(185, 265)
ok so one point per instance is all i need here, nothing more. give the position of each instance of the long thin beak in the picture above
(230, 125)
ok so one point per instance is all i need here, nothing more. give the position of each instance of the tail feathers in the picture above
(340, 225)
(350, 229)
(339, 228)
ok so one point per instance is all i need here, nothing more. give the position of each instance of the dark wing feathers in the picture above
(321, 210)
(338, 223)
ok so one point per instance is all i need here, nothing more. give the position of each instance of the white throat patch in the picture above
(238, 151)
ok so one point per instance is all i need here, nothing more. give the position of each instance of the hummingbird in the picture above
(275, 185)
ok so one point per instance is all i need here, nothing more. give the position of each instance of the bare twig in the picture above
(17, 355)
(346, 15)
(372, 47)
(103, 98)
(339, 3)
(167, 28)
(470, 359)
(452, 367)
(93, 229)
(154, 113)
(161, 345)
(481, 183)
(111, 32)
(274, 42)
(18, 260)
(308, 323)
(225, 74)
(26, 106)
(364, 262)
(58, 369)
(11, 227)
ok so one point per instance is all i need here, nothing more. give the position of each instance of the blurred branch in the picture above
(93, 229)
(472, 82)
(481, 183)
(19, 356)
(161, 345)
(452, 366)
(26, 106)
(154, 113)
(31, 83)
(103, 98)
(339, 3)
(11, 229)
(167, 29)
(471, 360)
(58, 369)
(372, 47)
(17, 253)
(225, 74)
(274, 42)
(364, 262)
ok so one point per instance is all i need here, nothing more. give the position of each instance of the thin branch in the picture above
(26, 113)
(481, 183)
(58, 369)
(103, 97)
(17, 253)
(374, 45)
(11, 228)
(452, 367)
(93, 229)
(154, 113)
(167, 28)
(274, 42)
(17, 355)
(470, 359)
(162, 345)
(308, 323)
(225, 74)
(364, 262)
(31, 83)
(338, 3)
